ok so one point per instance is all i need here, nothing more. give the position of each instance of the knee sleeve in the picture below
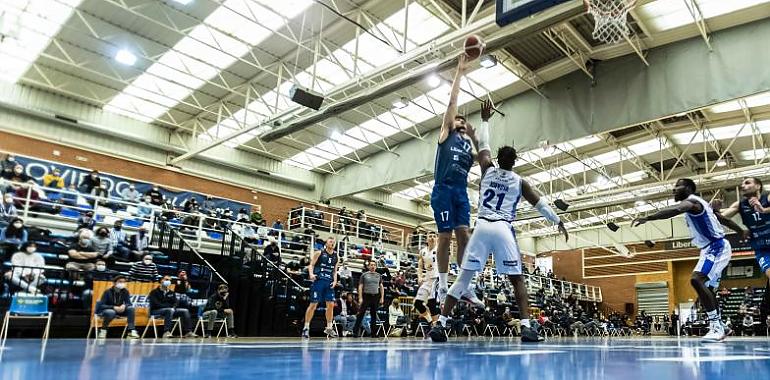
(461, 283)
(433, 307)
(419, 306)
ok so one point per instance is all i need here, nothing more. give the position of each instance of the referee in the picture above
(371, 294)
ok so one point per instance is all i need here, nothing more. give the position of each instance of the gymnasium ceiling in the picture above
(221, 71)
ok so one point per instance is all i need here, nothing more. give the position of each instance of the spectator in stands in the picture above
(371, 294)
(249, 234)
(272, 252)
(345, 276)
(208, 205)
(27, 268)
(396, 316)
(537, 271)
(89, 183)
(550, 274)
(345, 310)
(145, 208)
(140, 243)
(511, 322)
(243, 216)
(8, 208)
(17, 175)
(86, 221)
(190, 205)
(262, 231)
(30, 191)
(7, 165)
(218, 307)
(182, 287)
(144, 271)
(156, 197)
(116, 302)
(102, 243)
(168, 210)
(101, 195)
(102, 273)
(748, 325)
(53, 179)
(163, 303)
(15, 234)
(70, 196)
(130, 194)
(82, 254)
(277, 228)
(120, 244)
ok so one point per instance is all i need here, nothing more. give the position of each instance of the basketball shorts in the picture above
(451, 207)
(427, 290)
(713, 260)
(763, 259)
(321, 291)
(498, 239)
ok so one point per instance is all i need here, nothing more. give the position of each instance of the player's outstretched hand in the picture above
(563, 230)
(716, 204)
(486, 110)
(638, 222)
(754, 202)
(462, 62)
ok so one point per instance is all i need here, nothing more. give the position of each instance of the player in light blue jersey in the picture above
(754, 210)
(709, 237)
(501, 189)
(449, 198)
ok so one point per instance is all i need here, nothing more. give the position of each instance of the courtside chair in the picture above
(201, 323)
(27, 307)
(96, 322)
(155, 321)
(492, 328)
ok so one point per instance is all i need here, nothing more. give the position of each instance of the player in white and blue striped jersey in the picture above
(709, 236)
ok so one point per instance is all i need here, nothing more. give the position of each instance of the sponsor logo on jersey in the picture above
(474, 260)
(509, 263)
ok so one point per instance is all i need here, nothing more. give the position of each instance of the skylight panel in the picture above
(286, 8)
(758, 100)
(751, 155)
(667, 14)
(422, 25)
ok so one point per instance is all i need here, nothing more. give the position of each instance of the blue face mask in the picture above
(166, 283)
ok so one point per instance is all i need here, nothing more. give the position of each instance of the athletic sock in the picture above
(442, 320)
(443, 281)
(713, 315)
(307, 325)
(525, 323)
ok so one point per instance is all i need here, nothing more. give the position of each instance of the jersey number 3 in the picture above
(489, 195)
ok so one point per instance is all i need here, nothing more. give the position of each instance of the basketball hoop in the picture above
(610, 24)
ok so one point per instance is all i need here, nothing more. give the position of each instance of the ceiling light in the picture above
(183, 2)
(488, 60)
(639, 203)
(125, 57)
(721, 163)
(401, 102)
(601, 181)
(434, 81)
(336, 135)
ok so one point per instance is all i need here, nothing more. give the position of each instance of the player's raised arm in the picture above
(480, 137)
(729, 212)
(451, 109)
(670, 212)
(542, 207)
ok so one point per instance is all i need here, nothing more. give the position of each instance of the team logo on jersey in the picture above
(474, 261)
(509, 263)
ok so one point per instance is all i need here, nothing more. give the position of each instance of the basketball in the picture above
(474, 46)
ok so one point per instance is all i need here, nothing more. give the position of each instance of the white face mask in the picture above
(31, 250)
(101, 268)
(120, 285)
(166, 283)
(18, 225)
(148, 262)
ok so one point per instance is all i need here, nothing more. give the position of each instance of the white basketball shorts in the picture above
(427, 289)
(498, 239)
(713, 260)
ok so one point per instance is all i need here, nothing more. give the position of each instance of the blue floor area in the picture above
(460, 358)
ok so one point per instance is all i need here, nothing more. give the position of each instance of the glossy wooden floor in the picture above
(460, 358)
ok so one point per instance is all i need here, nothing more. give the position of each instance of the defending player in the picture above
(754, 209)
(322, 270)
(709, 236)
(449, 198)
(500, 190)
(425, 301)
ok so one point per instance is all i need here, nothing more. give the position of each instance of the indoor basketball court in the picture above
(314, 188)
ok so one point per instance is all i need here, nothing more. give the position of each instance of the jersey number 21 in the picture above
(489, 195)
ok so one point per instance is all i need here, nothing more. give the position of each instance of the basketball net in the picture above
(610, 24)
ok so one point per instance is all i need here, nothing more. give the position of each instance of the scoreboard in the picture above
(509, 11)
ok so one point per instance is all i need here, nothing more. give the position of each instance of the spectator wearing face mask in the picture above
(243, 216)
(102, 243)
(90, 182)
(156, 197)
(272, 252)
(163, 303)
(190, 205)
(130, 194)
(7, 209)
(181, 289)
(145, 209)
(102, 273)
(15, 234)
(277, 228)
(168, 212)
(6, 166)
(116, 302)
(27, 268)
(101, 195)
(17, 175)
(144, 271)
(218, 307)
(86, 221)
(140, 243)
(262, 231)
(208, 205)
(120, 240)
(83, 254)
(53, 179)
(30, 192)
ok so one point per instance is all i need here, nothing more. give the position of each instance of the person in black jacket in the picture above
(218, 307)
(116, 301)
(163, 303)
(88, 184)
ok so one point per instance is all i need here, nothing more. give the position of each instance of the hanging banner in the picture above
(37, 168)
(737, 244)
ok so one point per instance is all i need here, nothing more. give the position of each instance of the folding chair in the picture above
(491, 328)
(27, 307)
(153, 321)
(96, 321)
(467, 330)
(381, 327)
(422, 327)
(201, 321)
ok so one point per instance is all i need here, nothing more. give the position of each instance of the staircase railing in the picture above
(233, 244)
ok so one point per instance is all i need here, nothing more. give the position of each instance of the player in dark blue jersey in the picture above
(323, 273)
(754, 209)
(449, 198)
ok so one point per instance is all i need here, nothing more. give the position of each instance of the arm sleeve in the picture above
(547, 212)
(482, 134)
